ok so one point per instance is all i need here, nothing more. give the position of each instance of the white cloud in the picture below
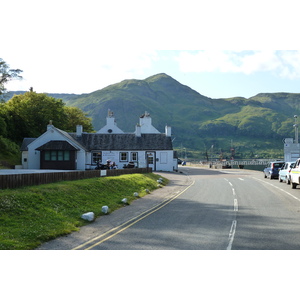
(284, 63)
(78, 70)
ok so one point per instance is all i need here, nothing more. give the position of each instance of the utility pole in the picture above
(296, 129)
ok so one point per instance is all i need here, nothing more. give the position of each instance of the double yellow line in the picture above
(115, 231)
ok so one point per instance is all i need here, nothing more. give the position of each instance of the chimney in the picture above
(79, 130)
(168, 130)
(50, 125)
(138, 131)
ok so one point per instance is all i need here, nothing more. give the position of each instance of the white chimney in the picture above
(138, 130)
(79, 130)
(50, 125)
(168, 130)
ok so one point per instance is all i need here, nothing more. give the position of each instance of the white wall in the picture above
(25, 159)
(51, 135)
(165, 161)
(291, 150)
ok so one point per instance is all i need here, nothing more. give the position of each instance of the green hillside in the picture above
(255, 127)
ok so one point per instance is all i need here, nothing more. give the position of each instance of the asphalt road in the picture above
(205, 210)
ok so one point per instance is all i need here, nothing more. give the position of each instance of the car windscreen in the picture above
(277, 165)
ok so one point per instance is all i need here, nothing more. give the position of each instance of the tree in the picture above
(75, 116)
(7, 74)
(27, 115)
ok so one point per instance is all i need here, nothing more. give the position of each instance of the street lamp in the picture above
(296, 129)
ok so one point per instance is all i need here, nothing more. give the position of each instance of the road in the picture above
(217, 210)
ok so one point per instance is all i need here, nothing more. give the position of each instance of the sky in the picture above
(80, 47)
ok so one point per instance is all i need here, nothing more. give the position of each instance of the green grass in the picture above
(30, 216)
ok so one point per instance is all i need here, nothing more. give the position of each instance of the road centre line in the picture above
(232, 234)
(233, 192)
(234, 222)
(115, 231)
(236, 205)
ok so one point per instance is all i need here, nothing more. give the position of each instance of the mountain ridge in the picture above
(255, 126)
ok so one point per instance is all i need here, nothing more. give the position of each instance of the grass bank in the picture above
(30, 216)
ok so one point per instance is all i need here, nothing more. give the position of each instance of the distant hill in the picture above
(253, 127)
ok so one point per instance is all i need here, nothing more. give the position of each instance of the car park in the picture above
(285, 172)
(271, 171)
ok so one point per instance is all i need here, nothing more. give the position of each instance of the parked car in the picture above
(285, 172)
(271, 171)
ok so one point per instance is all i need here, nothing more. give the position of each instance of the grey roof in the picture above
(108, 142)
(26, 142)
(111, 142)
(70, 137)
(57, 145)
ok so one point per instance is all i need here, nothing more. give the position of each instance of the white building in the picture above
(291, 146)
(57, 149)
(291, 150)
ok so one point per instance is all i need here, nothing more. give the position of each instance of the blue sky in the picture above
(74, 47)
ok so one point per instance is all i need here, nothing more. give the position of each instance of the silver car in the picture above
(285, 172)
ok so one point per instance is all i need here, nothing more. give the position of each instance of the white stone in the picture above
(90, 216)
(105, 209)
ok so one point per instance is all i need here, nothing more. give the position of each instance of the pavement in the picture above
(177, 183)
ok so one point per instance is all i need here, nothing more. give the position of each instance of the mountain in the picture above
(253, 127)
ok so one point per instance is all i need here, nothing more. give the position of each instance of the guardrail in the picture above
(12, 181)
(245, 162)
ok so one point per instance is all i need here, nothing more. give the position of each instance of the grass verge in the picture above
(30, 216)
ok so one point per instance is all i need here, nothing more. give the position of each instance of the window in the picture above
(134, 156)
(66, 155)
(96, 156)
(123, 156)
(54, 155)
(150, 160)
(60, 155)
(47, 155)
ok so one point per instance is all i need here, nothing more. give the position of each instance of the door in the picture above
(151, 158)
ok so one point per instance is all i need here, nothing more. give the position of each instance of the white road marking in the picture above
(276, 187)
(231, 234)
(233, 192)
(241, 179)
(234, 222)
(236, 205)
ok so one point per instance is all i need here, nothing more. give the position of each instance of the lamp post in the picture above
(296, 129)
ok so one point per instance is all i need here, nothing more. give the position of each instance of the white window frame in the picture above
(122, 158)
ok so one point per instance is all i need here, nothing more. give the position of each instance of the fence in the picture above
(13, 181)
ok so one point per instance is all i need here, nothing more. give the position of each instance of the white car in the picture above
(285, 172)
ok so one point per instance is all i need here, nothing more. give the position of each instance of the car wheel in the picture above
(280, 180)
(265, 175)
(293, 185)
(288, 181)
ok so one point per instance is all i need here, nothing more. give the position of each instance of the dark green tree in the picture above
(75, 116)
(27, 115)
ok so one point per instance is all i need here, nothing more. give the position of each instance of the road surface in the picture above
(214, 210)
